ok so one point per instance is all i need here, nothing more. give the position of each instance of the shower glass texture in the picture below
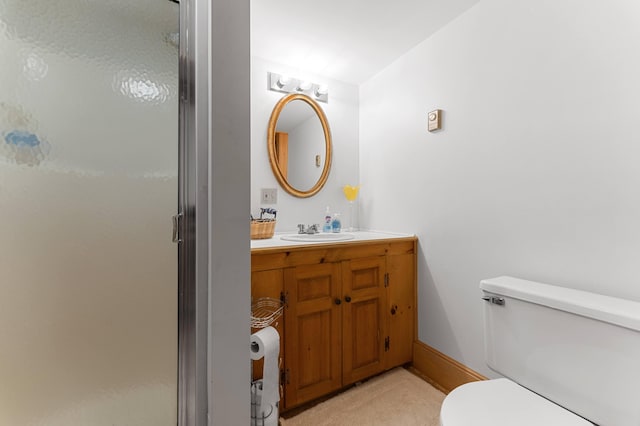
(88, 185)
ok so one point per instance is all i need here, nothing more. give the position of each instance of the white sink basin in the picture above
(322, 237)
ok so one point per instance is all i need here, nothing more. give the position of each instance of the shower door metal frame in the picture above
(193, 212)
(213, 380)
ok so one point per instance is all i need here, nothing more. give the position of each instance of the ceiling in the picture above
(347, 40)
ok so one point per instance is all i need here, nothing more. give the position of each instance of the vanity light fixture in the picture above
(285, 84)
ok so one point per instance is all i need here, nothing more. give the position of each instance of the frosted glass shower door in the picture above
(88, 185)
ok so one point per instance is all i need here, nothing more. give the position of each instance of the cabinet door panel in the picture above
(312, 324)
(363, 325)
(314, 347)
(364, 333)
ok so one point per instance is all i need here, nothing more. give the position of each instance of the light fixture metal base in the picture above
(281, 83)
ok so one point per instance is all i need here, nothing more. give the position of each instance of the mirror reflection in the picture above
(299, 143)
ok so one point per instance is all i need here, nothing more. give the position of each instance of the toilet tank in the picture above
(578, 349)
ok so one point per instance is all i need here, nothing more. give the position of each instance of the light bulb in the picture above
(283, 80)
(323, 89)
(304, 85)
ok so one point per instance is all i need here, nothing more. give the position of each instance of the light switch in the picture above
(268, 196)
(433, 120)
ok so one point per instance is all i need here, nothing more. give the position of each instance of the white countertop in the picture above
(358, 236)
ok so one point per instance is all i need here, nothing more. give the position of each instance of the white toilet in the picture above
(570, 358)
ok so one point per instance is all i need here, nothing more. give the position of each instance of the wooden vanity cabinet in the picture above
(349, 311)
(364, 326)
(312, 332)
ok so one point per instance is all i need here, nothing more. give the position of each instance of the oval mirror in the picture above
(299, 145)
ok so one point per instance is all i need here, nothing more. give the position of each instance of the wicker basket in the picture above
(262, 228)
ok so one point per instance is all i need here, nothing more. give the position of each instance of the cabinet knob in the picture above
(347, 299)
(338, 301)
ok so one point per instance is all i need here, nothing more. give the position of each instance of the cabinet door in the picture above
(312, 332)
(401, 308)
(364, 325)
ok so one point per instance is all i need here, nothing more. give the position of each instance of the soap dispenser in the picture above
(326, 227)
(336, 225)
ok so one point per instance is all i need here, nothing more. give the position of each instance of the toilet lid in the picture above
(501, 402)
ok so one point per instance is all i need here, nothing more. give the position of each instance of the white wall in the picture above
(342, 114)
(535, 173)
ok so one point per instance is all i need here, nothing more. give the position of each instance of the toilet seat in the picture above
(501, 402)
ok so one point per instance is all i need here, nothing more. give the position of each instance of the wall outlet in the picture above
(268, 196)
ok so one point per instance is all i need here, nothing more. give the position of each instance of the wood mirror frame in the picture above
(275, 157)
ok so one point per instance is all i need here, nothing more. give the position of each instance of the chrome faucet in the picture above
(311, 229)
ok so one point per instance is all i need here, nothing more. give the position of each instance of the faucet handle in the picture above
(313, 229)
(301, 228)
